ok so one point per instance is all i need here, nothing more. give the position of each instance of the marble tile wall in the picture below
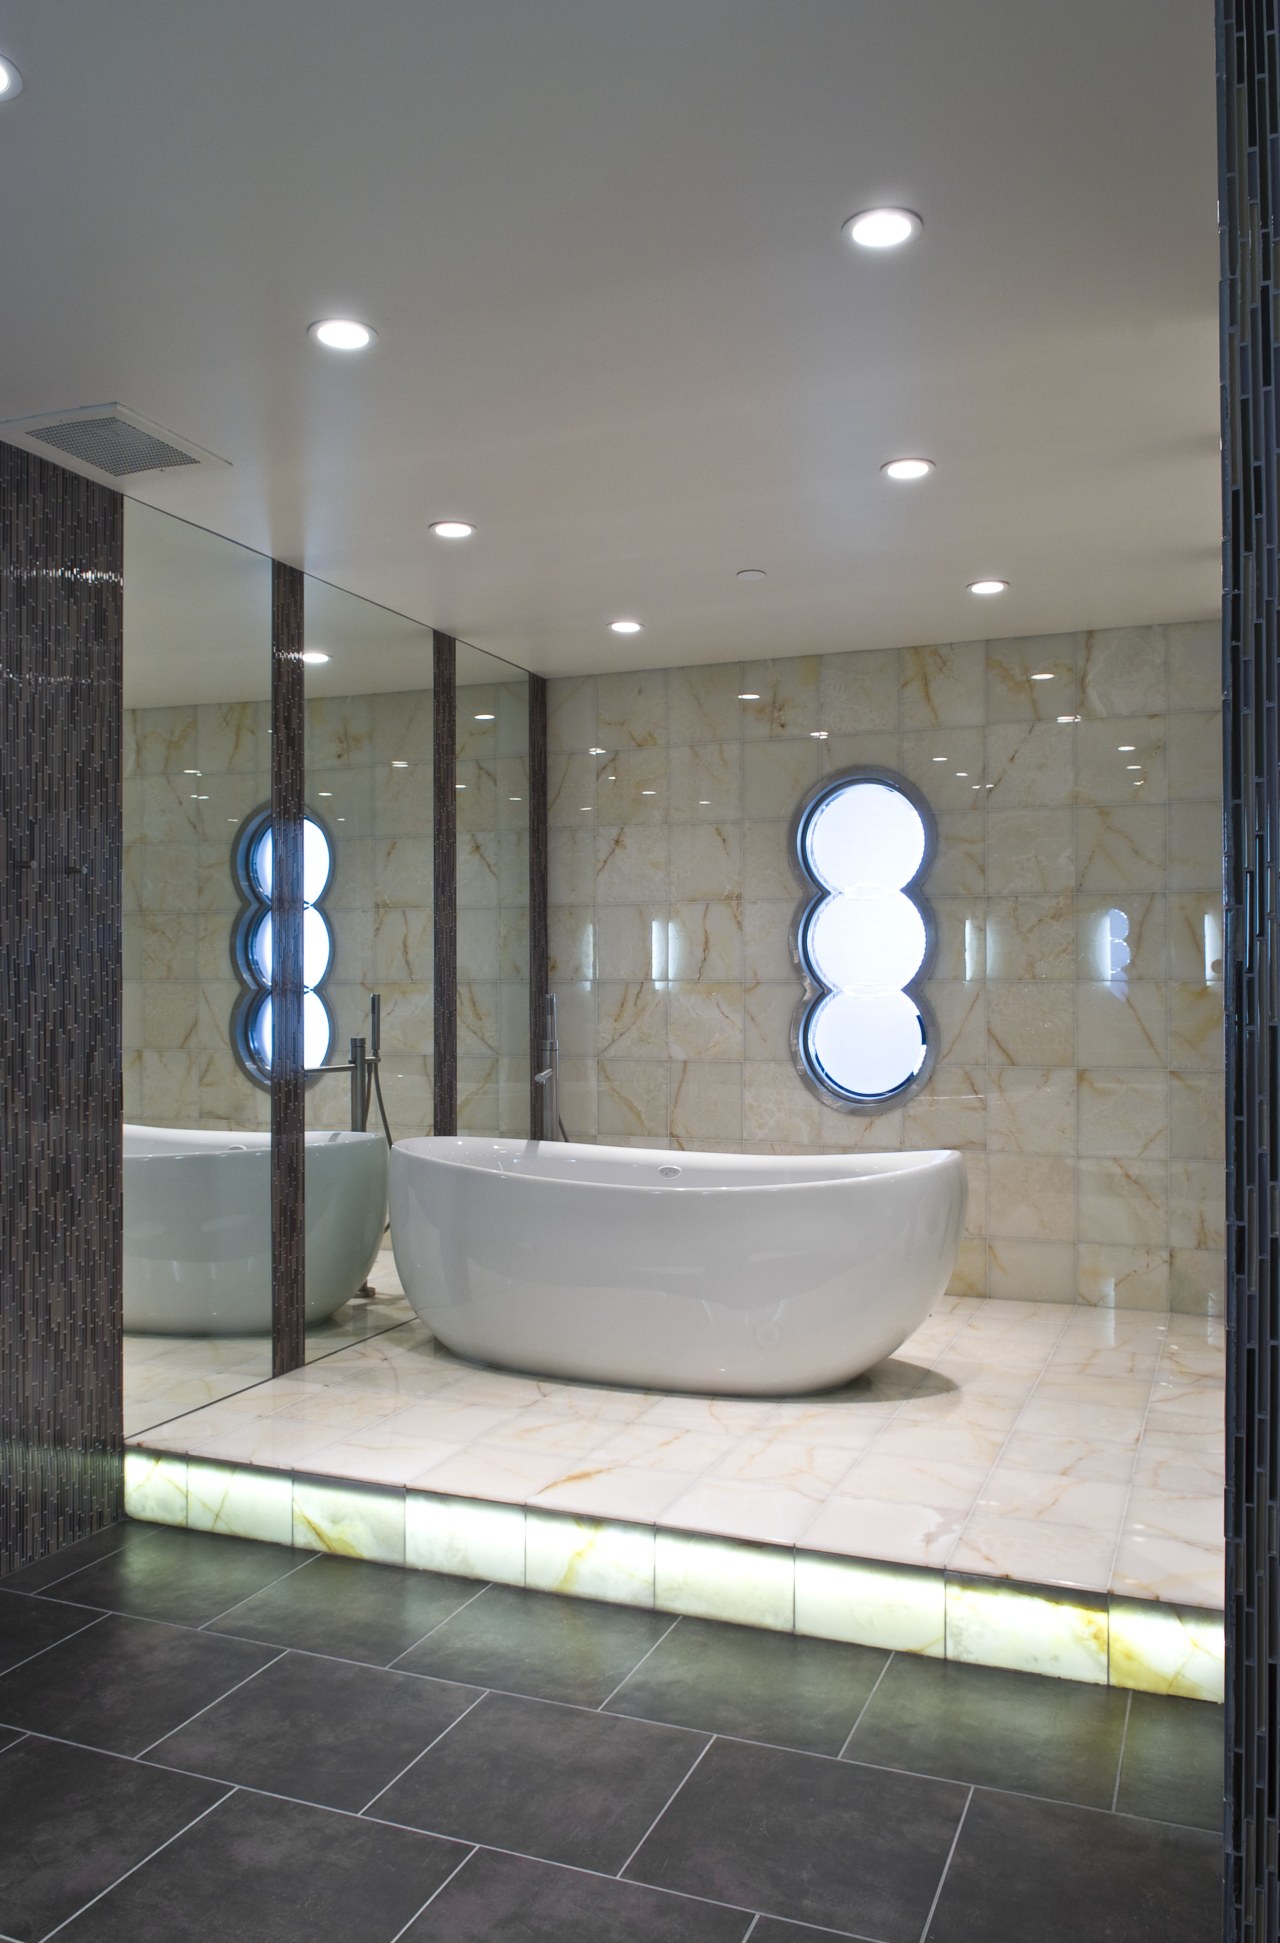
(1077, 891)
(193, 774)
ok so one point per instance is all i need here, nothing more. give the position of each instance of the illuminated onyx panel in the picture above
(253, 943)
(864, 1034)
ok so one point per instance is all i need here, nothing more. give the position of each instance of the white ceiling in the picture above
(620, 330)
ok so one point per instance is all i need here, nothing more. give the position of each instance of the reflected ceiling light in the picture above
(1133, 765)
(597, 752)
(399, 765)
(313, 657)
(908, 468)
(515, 799)
(962, 775)
(1042, 677)
(452, 529)
(819, 735)
(704, 802)
(988, 586)
(1068, 718)
(1125, 748)
(342, 334)
(625, 627)
(940, 758)
(324, 792)
(192, 772)
(748, 695)
(648, 792)
(484, 718)
(882, 229)
(585, 807)
(459, 785)
(10, 81)
(749, 573)
(1138, 782)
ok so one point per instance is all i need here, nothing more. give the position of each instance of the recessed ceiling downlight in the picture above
(314, 657)
(749, 573)
(908, 468)
(625, 627)
(882, 229)
(10, 80)
(342, 334)
(985, 587)
(452, 529)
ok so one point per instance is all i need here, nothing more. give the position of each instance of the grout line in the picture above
(937, 1894)
(40, 1651)
(750, 1931)
(138, 1865)
(39, 1591)
(863, 1708)
(142, 1752)
(422, 1753)
(394, 1665)
(639, 1663)
(310, 1559)
(435, 1892)
(662, 1811)
(1124, 1742)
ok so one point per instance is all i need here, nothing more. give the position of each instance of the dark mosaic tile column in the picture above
(288, 1082)
(539, 962)
(445, 892)
(1249, 134)
(61, 1179)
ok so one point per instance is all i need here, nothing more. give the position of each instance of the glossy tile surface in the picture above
(1046, 1444)
(523, 1819)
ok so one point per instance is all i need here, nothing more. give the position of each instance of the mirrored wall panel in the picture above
(492, 791)
(197, 1228)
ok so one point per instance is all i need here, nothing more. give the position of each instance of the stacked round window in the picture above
(253, 945)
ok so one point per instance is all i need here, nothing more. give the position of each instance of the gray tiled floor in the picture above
(235, 1744)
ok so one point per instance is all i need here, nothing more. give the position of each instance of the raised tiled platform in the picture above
(1022, 1485)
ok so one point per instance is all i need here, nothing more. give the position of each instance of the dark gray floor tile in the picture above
(817, 1840)
(549, 1781)
(273, 1872)
(348, 1607)
(504, 1899)
(1044, 1872)
(1005, 1730)
(1173, 1761)
(803, 1693)
(185, 1577)
(536, 1643)
(73, 1558)
(772, 1929)
(123, 1683)
(319, 1730)
(74, 1822)
(9, 1737)
(28, 1625)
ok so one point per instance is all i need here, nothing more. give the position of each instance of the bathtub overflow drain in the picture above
(668, 1173)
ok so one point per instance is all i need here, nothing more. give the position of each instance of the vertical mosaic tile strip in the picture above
(288, 1084)
(446, 883)
(539, 973)
(1249, 212)
(61, 546)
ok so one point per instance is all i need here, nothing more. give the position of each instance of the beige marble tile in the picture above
(1123, 671)
(703, 705)
(155, 1487)
(769, 1514)
(906, 1533)
(631, 709)
(631, 1020)
(1000, 1625)
(1197, 1204)
(1173, 1570)
(1120, 849)
(1030, 852)
(633, 1098)
(1031, 1110)
(788, 704)
(1113, 1276)
(587, 1558)
(858, 692)
(776, 1105)
(1124, 1113)
(705, 944)
(1030, 765)
(1195, 847)
(1030, 1025)
(465, 1536)
(571, 714)
(1042, 1271)
(950, 767)
(351, 1520)
(1121, 937)
(631, 863)
(1123, 1201)
(1121, 1025)
(766, 944)
(1029, 938)
(1197, 1281)
(951, 1111)
(960, 1010)
(944, 687)
(1120, 758)
(1195, 755)
(775, 775)
(631, 941)
(1030, 1197)
(704, 782)
(869, 1604)
(767, 871)
(717, 1578)
(1196, 1027)
(1017, 690)
(706, 1022)
(1167, 1649)
(244, 1503)
(706, 861)
(1195, 664)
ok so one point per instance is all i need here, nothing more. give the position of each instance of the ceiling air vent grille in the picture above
(109, 440)
(113, 445)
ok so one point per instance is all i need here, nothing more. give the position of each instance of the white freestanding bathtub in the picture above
(197, 1227)
(708, 1272)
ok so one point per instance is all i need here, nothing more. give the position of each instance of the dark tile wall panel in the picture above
(288, 1082)
(539, 963)
(1249, 206)
(61, 1180)
(444, 722)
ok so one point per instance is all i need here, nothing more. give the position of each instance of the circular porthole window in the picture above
(864, 1036)
(253, 940)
